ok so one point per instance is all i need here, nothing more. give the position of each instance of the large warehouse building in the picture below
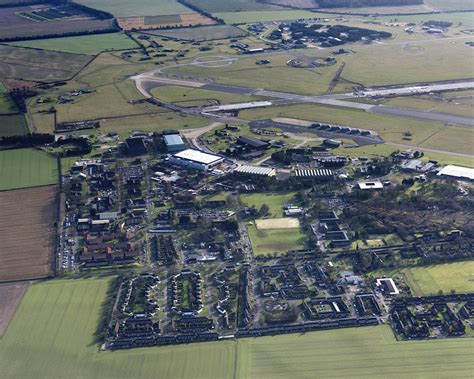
(196, 159)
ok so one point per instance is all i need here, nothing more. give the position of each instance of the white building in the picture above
(457, 172)
(196, 159)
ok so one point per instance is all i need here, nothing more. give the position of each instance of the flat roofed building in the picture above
(457, 172)
(375, 185)
(174, 143)
(196, 159)
(387, 285)
(255, 170)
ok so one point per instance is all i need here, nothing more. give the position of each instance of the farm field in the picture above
(203, 33)
(213, 6)
(28, 233)
(164, 21)
(280, 240)
(10, 297)
(17, 63)
(390, 128)
(89, 44)
(428, 280)
(60, 340)
(13, 26)
(123, 8)
(22, 168)
(13, 125)
(275, 201)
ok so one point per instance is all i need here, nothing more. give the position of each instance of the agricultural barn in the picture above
(457, 172)
(174, 143)
(254, 170)
(196, 159)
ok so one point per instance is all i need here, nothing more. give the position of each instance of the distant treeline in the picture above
(365, 3)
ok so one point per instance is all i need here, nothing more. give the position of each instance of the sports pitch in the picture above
(270, 241)
(59, 342)
(277, 223)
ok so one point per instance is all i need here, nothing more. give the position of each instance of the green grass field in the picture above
(52, 335)
(26, 168)
(203, 33)
(12, 125)
(450, 5)
(124, 8)
(275, 240)
(174, 94)
(275, 201)
(466, 19)
(429, 280)
(276, 75)
(248, 17)
(91, 44)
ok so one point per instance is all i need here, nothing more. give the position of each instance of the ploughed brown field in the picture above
(154, 22)
(28, 233)
(39, 65)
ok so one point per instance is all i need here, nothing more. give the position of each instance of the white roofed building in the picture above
(196, 159)
(458, 172)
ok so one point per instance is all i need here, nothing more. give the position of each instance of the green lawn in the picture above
(91, 44)
(275, 201)
(22, 168)
(276, 240)
(12, 125)
(51, 336)
(429, 280)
